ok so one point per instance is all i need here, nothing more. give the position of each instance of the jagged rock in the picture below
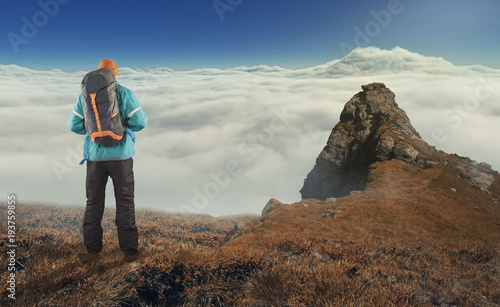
(482, 180)
(332, 212)
(461, 168)
(384, 147)
(405, 152)
(271, 205)
(372, 128)
(486, 165)
(331, 200)
(479, 174)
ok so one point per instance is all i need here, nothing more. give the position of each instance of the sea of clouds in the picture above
(224, 141)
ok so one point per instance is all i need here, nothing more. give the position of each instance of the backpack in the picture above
(102, 117)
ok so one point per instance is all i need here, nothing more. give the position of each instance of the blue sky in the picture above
(188, 34)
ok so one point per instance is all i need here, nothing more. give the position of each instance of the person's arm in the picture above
(136, 118)
(76, 120)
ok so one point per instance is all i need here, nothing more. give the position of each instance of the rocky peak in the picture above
(372, 128)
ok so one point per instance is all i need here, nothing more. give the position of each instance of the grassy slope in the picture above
(407, 240)
(402, 204)
(438, 246)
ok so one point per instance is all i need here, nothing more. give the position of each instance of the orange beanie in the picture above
(109, 64)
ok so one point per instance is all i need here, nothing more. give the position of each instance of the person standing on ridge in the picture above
(108, 114)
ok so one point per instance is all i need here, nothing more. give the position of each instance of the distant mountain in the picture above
(372, 61)
(375, 61)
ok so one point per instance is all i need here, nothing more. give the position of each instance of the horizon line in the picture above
(147, 68)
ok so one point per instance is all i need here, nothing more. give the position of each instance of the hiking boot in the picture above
(130, 258)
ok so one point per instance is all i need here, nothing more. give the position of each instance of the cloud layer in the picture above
(225, 141)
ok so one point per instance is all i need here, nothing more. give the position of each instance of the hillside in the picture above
(379, 195)
(402, 205)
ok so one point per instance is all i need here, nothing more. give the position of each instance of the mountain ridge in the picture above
(360, 61)
(376, 175)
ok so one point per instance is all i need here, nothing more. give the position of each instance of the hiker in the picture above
(109, 147)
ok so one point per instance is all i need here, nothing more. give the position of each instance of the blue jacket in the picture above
(129, 108)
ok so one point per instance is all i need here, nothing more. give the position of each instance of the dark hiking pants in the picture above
(122, 174)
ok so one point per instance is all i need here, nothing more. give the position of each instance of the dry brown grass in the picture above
(51, 271)
(407, 240)
(412, 240)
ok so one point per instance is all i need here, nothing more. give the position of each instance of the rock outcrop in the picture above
(372, 128)
(271, 205)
